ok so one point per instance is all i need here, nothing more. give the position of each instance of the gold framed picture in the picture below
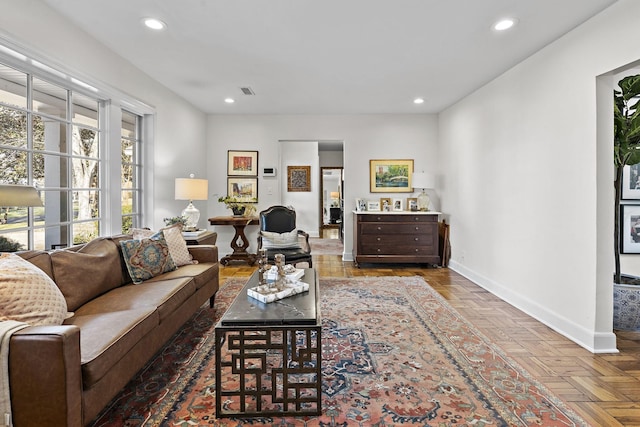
(298, 178)
(390, 176)
(385, 204)
(244, 189)
(412, 204)
(242, 163)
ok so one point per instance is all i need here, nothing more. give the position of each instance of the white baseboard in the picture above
(595, 342)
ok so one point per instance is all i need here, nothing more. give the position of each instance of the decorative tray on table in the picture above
(291, 285)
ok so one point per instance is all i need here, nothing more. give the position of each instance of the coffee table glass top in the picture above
(299, 309)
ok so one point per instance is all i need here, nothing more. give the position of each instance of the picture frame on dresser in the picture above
(361, 205)
(390, 176)
(373, 206)
(630, 230)
(397, 205)
(385, 204)
(412, 204)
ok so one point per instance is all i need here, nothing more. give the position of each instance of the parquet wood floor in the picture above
(603, 389)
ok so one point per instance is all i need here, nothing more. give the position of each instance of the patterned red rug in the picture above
(394, 353)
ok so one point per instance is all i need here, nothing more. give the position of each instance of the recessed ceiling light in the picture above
(229, 100)
(504, 24)
(418, 101)
(154, 24)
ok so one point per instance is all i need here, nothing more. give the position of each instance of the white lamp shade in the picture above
(422, 180)
(19, 195)
(191, 189)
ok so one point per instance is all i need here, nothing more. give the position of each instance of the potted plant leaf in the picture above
(626, 152)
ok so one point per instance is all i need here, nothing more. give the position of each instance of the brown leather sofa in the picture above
(65, 375)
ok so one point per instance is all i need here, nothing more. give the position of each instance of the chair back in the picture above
(278, 219)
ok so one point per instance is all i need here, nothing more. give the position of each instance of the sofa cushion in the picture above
(273, 240)
(106, 337)
(177, 245)
(40, 259)
(147, 258)
(28, 294)
(165, 295)
(88, 272)
(201, 273)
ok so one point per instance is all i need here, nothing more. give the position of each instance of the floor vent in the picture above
(247, 91)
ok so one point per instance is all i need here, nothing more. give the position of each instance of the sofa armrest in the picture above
(204, 253)
(45, 376)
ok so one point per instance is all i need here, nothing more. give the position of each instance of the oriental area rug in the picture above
(394, 353)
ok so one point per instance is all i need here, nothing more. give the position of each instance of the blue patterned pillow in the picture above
(147, 258)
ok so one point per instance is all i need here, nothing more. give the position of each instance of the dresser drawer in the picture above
(397, 240)
(396, 228)
(397, 218)
(396, 250)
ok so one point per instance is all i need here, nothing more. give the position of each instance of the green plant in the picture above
(236, 202)
(626, 146)
(8, 245)
(175, 220)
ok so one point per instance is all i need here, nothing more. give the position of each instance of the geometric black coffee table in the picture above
(268, 356)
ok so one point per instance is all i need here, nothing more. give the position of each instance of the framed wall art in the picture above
(243, 188)
(630, 229)
(390, 176)
(242, 163)
(631, 182)
(298, 178)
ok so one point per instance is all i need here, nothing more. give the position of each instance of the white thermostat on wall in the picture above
(268, 171)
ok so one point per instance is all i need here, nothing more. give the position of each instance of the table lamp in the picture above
(191, 189)
(19, 196)
(422, 180)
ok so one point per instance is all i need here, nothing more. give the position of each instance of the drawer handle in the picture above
(379, 218)
(416, 239)
(417, 228)
(379, 228)
(416, 219)
(378, 250)
(378, 239)
(417, 250)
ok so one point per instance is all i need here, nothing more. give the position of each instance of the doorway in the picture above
(331, 199)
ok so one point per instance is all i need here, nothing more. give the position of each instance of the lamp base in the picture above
(423, 201)
(192, 214)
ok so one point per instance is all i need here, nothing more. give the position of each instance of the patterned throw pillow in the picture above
(28, 294)
(177, 245)
(147, 258)
(272, 240)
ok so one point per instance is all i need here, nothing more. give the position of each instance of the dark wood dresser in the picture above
(395, 237)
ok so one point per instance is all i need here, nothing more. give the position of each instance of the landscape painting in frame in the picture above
(242, 163)
(243, 188)
(390, 176)
(630, 230)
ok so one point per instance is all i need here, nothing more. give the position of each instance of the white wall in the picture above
(36, 27)
(365, 137)
(520, 167)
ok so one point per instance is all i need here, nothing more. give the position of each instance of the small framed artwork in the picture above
(390, 176)
(385, 204)
(361, 205)
(412, 204)
(242, 163)
(373, 206)
(631, 182)
(397, 205)
(298, 178)
(243, 188)
(630, 229)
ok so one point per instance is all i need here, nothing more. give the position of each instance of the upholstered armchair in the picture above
(278, 235)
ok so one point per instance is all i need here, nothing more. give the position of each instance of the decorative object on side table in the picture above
(191, 189)
(239, 206)
(175, 220)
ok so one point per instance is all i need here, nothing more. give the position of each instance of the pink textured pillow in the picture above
(28, 294)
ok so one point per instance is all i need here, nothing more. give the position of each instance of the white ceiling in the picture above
(326, 56)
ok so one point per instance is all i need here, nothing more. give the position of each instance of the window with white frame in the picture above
(53, 137)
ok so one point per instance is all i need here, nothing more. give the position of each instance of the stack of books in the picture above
(192, 234)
